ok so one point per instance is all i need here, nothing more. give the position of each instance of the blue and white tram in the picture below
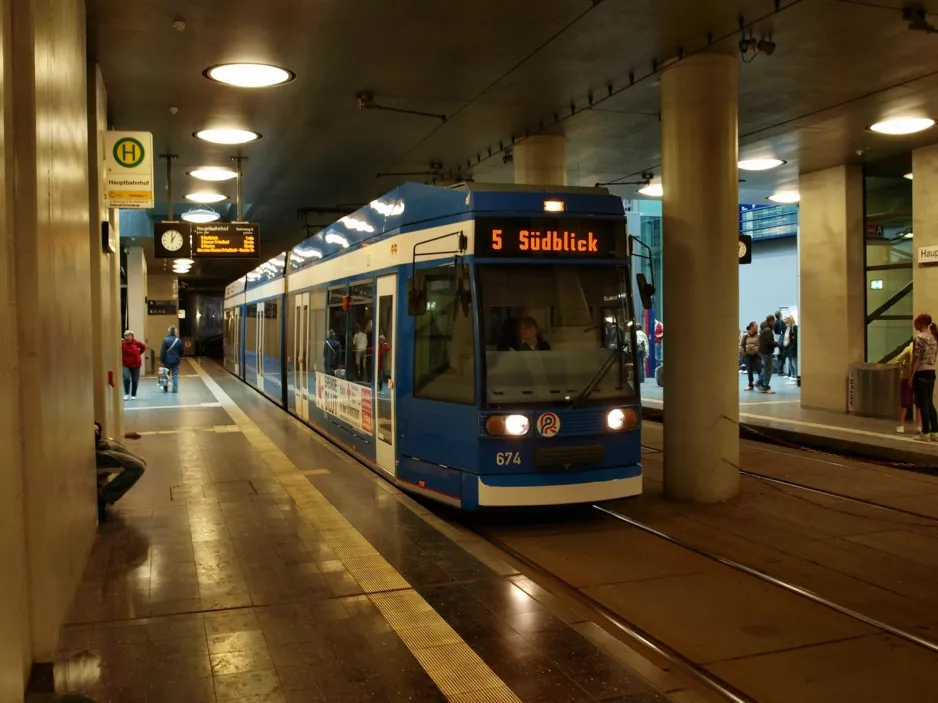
(470, 344)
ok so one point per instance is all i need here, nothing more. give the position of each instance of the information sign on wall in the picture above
(129, 172)
(928, 255)
(161, 307)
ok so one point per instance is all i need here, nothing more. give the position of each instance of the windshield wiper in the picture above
(585, 393)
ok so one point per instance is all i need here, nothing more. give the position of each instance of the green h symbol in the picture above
(128, 152)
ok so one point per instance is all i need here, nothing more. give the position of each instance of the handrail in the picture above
(895, 352)
(899, 295)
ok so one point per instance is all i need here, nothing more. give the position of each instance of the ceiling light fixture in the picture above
(908, 175)
(227, 136)
(249, 75)
(213, 173)
(907, 235)
(183, 262)
(200, 215)
(786, 197)
(205, 197)
(653, 190)
(902, 125)
(760, 164)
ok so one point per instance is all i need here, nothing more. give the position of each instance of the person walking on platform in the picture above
(749, 348)
(924, 352)
(779, 328)
(131, 359)
(171, 355)
(767, 346)
(791, 349)
(905, 388)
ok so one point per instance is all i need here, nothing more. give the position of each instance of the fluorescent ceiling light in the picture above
(759, 164)
(785, 196)
(902, 125)
(654, 190)
(908, 175)
(333, 238)
(249, 75)
(206, 197)
(227, 136)
(200, 215)
(213, 173)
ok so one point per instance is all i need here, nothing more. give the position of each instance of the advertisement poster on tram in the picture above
(347, 401)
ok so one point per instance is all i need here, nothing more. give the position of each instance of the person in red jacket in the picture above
(131, 351)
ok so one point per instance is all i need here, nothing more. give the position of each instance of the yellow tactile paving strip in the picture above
(454, 667)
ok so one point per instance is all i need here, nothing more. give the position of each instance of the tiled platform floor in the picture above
(226, 574)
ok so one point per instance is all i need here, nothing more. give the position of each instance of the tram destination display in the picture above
(549, 237)
(223, 240)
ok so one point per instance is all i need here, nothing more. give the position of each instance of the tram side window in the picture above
(272, 335)
(444, 348)
(334, 361)
(361, 333)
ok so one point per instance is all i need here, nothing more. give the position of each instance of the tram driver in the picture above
(523, 335)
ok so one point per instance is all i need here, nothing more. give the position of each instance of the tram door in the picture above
(301, 354)
(385, 353)
(236, 342)
(259, 331)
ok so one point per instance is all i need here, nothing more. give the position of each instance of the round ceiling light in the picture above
(786, 197)
(653, 190)
(902, 125)
(213, 173)
(249, 75)
(183, 262)
(227, 136)
(759, 164)
(206, 197)
(200, 215)
(908, 175)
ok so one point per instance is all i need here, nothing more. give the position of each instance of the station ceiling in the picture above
(497, 70)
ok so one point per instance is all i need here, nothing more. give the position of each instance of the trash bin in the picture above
(873, 390)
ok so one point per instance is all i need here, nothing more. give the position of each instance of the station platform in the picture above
(254, 562)
(781, 418)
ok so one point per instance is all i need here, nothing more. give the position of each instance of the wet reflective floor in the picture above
(253, 562)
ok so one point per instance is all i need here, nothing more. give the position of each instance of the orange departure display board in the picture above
(549, 238)
(223, 240)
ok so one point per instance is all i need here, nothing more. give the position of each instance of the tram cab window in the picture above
(568, 318)
(444, 346)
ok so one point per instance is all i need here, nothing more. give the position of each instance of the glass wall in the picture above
(889, 257)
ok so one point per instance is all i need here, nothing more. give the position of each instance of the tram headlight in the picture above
(621, 418)
(512, 425)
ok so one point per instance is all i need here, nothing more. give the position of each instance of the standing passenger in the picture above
(791, 349)
(924, 351)
(779, 328)
(905, 386)
(360, 345)
(642, 339)
(171, 355)
(749, 348)
(767, 346)
(131, 360)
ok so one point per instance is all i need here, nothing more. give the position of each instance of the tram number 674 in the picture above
(507, 458)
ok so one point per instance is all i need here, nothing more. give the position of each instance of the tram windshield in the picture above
(556, 334)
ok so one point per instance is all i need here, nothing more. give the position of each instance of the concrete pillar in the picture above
(924, 229)
(832, 329)
(699, 127)
(136, 291)
(541, 160)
